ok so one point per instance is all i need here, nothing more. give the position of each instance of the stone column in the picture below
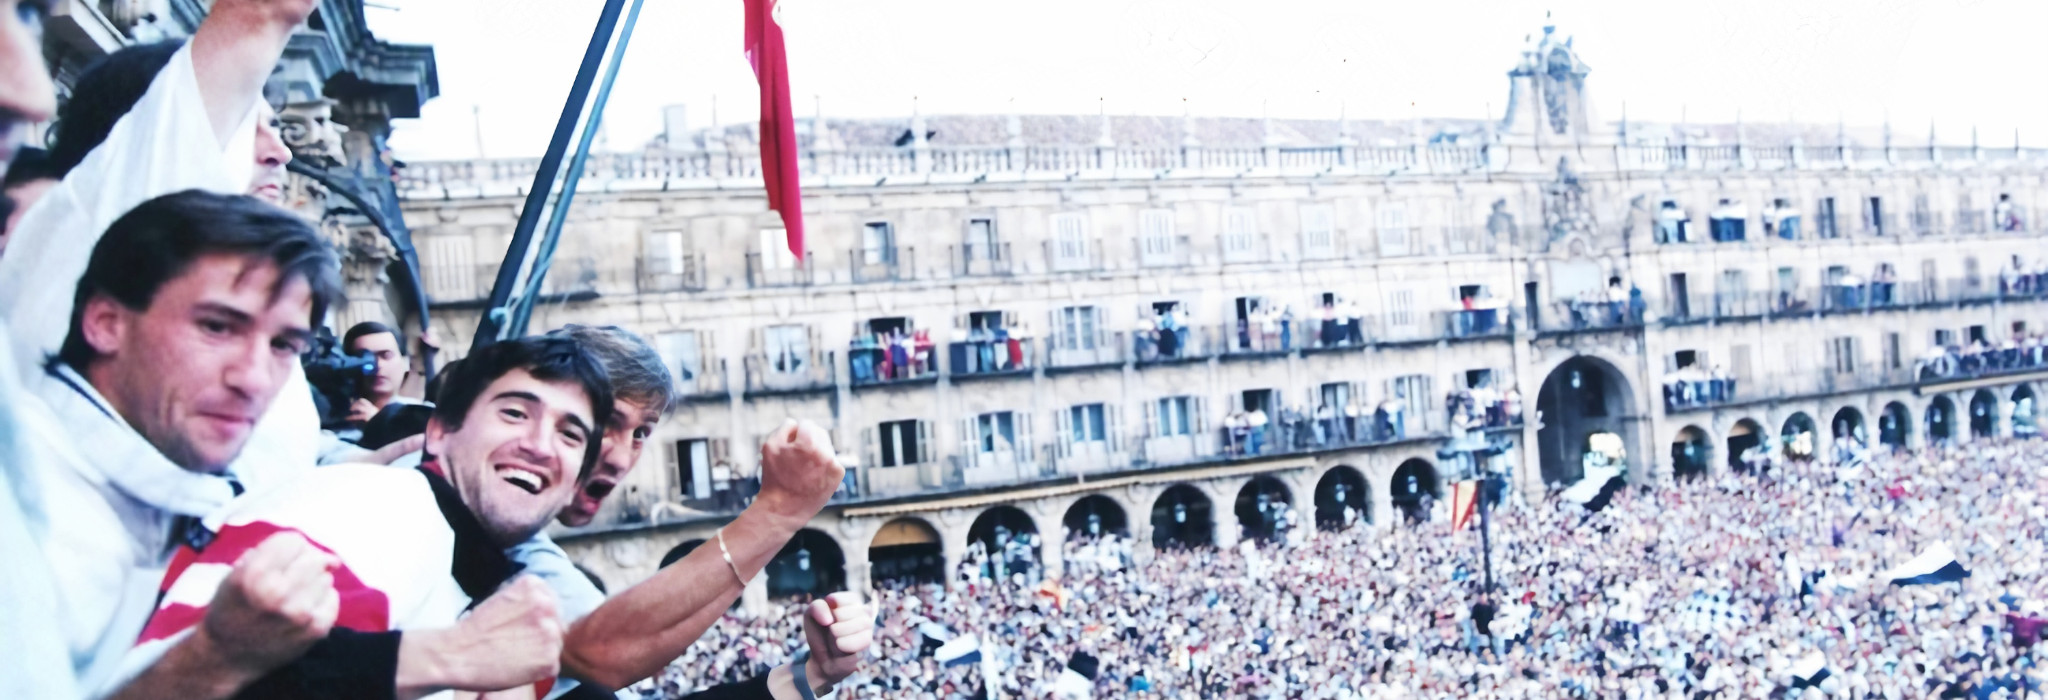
(859, 570)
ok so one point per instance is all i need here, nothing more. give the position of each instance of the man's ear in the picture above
(104, 324)
(437, 438)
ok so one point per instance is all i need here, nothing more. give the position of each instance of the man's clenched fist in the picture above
(513, 638)
(799, 470)
(838, 630)
(276, 602)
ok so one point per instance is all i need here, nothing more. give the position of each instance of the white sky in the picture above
(1952, 63)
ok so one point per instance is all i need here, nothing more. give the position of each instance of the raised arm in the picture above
(235, 51)
(640, 630)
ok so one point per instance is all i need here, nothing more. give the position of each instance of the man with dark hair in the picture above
(187, 322)
(195, 126)
(383, 343)
(618, 642)
(26, 181)
(516, 428)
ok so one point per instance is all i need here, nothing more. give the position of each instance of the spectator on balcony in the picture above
(1511, 403)
(978, 338)
(1883, 285)
(1671, 223)
(1726, 222)
(1235, 427)
(1391, 423)
(1287, 327)
(1849, 292)
(1329, 334)
(1618, 302)
(1353, 430)
(1015, 341)
(863, 355)
(1255, 426)
(1170, 332)
(2006, 214)
(1269, 330)
(1325, 424)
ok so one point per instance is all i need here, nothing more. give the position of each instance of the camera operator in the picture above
(382, 343)
(31, 665)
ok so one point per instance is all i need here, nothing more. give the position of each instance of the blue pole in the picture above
(495, 312)
(524, 312)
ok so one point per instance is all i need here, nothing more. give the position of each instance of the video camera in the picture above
(336, 376)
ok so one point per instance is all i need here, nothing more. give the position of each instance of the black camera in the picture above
(337, 377)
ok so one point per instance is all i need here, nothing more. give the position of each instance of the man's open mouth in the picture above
(525, 480)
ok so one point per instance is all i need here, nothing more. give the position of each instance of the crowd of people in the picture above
(1252, 431)
(1730, 586)
(2019, 351)
(1693, 386)
(882, 356)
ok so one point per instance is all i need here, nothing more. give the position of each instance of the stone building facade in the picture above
(1611, 275)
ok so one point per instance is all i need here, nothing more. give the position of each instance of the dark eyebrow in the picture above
(238, 316)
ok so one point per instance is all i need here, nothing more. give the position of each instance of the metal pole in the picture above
(523, 312)
(494, 318)
(1486, 532)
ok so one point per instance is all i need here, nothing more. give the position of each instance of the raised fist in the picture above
(274, 604)
(513, 638)
(838, 630)
(799, 470)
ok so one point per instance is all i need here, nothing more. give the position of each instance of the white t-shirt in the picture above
(165, 144)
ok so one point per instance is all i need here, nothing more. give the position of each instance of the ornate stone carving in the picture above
(308, 128)
(1500, 225)
(1566, 212)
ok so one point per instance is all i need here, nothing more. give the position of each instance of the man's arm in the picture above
(640, 630)
(234, 52)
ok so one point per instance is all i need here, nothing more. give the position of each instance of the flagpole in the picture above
(496, 316)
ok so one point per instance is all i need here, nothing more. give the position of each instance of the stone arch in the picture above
(1010, 538)
(1799, 436)
(1895, 425)
(1744, 436)
(809, 565)
(2023, 410)
(1583, 396)
(1691, 452)
(907, 550)
(1415, 487)
(1848, 423)
(1096, 515)
(1342, 487)
(1263, 506)
(1941, 419)
(1182, 516)
(677, 553)
(1983, 414)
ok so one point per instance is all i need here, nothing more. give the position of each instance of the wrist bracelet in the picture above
(727, 553)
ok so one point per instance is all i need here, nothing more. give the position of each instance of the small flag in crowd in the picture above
(931, 637)
(1077, 680)
(1464, 502)
(1810, 671)
(962, 650)
(770, 60)
(1936, 565)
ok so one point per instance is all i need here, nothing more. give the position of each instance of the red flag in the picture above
(1464, 502)
(778, 128)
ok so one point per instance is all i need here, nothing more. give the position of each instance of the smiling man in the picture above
(519, 424)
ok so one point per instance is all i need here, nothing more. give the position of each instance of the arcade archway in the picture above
(1415, 488)
(679, 551)
(1583, 397)
(1095, 516)
(1341, 499)
(1941, 419)
(1263, 506)
(1895, 426)
(809, 565)
(1984, 414)
(906, 551)
(1691, 452)
(1744, 436)
(1009, 539)
(1182, 517)
(2023, 412)
(1798, 434)
(1848, 423)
